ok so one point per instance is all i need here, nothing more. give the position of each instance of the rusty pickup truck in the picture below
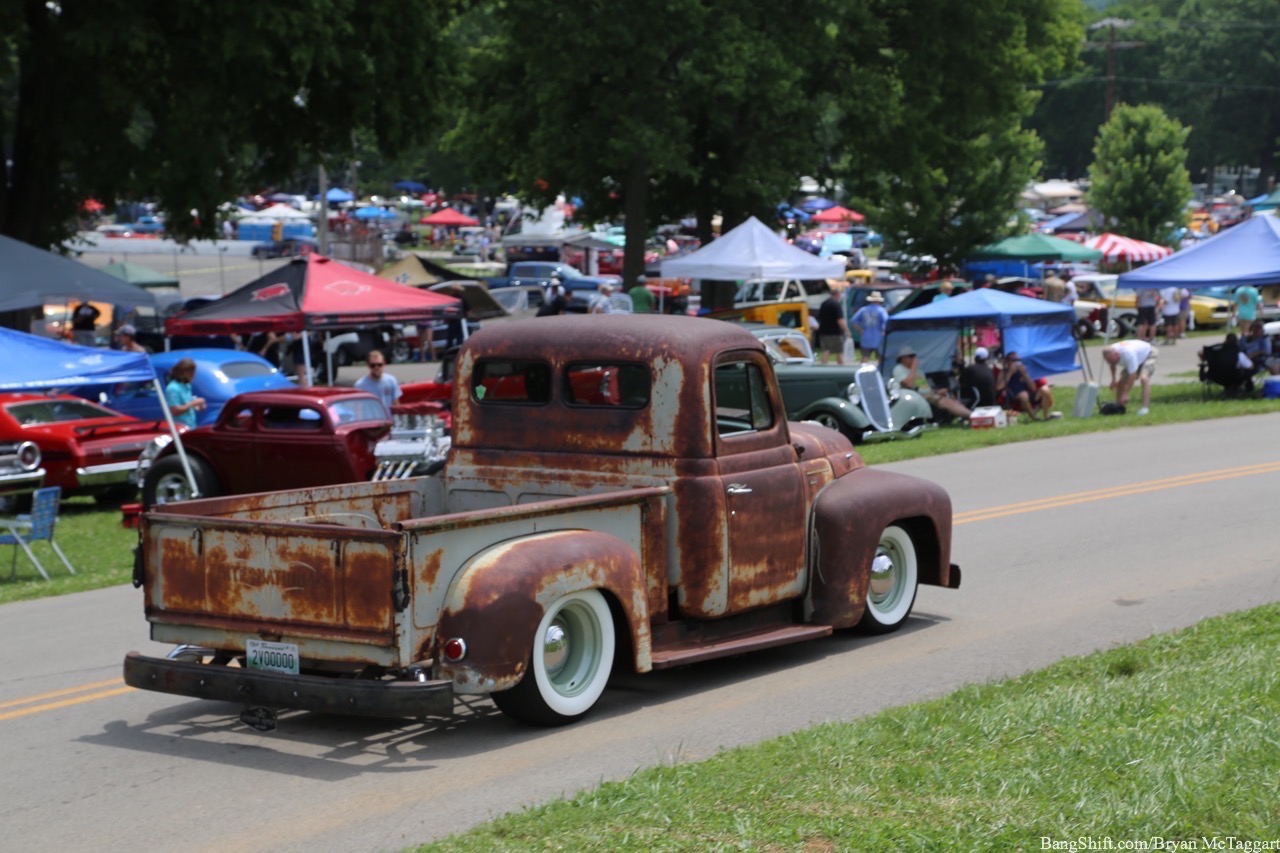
(622, 492)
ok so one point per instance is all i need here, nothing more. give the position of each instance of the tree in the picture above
(190, 103)
(942, 166)
(1139, 180)
(659, 108)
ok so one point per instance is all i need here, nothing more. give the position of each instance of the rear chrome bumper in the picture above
(110, 474)
(301, 692)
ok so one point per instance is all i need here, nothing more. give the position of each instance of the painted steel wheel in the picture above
(891, 587)
(569, 665)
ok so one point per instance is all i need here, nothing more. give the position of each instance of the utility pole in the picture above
(322, 227)
(1111, 46)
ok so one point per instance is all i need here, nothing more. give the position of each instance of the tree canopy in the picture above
(189, 103)
(1139, 180)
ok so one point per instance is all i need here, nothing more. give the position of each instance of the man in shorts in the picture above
(1137, 362)
(1147, 299)
(832, 329)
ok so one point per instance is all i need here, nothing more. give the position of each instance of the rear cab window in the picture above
(511, 382)
(611, 385)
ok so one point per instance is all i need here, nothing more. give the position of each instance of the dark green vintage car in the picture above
(851, 398)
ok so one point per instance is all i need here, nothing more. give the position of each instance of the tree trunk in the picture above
(635, 211)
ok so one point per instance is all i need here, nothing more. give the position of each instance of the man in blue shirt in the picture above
(869, 323)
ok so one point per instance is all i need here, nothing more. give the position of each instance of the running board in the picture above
(681, 655)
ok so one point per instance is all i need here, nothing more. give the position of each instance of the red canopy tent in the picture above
(838, 214)
(448, 216)
(313, 293)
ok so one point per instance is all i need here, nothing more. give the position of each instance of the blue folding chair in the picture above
(26, 529)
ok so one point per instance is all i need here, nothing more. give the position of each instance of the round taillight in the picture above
(455, 648)
(28, 456)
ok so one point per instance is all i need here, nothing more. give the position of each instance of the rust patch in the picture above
(497, 604)
(367, 577)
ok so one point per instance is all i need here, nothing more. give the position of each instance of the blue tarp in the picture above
(1248, 253)
(1039, 331)
(33, 363)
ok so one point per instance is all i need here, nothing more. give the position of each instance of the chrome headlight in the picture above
(852, 393)
(28, 456)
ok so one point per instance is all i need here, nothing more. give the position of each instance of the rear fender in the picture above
(849, 516)
(498, 598)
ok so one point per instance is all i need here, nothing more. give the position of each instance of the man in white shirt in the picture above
(1137, 362)
(1170, 308)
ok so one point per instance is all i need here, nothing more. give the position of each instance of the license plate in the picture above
(271, 657)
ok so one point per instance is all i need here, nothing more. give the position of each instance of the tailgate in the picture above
(234, 578)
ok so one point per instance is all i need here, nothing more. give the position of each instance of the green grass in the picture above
(1173, 738)
(100, 550)
(1174, 403)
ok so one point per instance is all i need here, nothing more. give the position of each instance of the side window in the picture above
(742, 401)
(291, 418)
(511, 381)
(242, 419)
(622, 385)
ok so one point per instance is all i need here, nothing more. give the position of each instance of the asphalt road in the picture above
(1067, 546)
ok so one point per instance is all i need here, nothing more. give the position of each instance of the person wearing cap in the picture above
(868, 324)
(908, 374)
(642, 301)
(126, 339)
(1024, 394)
(978, 381)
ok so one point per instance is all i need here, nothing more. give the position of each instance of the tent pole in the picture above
(306, 359)
(328, 357)
(177, 438)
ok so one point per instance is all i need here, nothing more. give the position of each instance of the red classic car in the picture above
(292, 438)
(267, 440)
(85, 448)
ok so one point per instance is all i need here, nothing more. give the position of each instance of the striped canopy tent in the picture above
(1117, 249)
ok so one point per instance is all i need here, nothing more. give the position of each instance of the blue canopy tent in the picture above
(373, 212)
(1248, 253)
(410, 186)
(34, 363)
(1039, 331)
(339, 195)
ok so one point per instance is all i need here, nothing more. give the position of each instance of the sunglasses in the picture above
(376, 364)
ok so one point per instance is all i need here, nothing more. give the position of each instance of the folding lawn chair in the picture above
(25, 529)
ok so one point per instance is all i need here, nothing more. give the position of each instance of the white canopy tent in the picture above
(752, 252)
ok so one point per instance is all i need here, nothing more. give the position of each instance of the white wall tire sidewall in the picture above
(585, 608)
(908, 566)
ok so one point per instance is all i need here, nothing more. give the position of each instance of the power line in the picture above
(1207, 84)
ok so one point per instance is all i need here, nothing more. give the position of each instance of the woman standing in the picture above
(182, 400)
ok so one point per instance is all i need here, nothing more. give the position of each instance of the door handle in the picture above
(739, 489)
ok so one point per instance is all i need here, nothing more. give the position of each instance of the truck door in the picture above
(765, 500)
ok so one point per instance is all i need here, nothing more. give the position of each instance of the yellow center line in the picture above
(1115, 492)
(56, 693)
(75, 700)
